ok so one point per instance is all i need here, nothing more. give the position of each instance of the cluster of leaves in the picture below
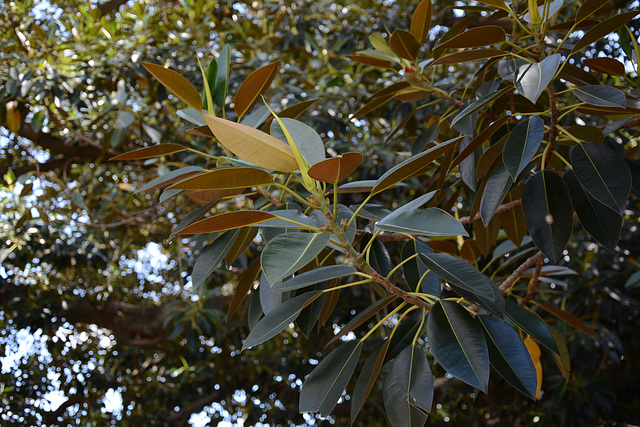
(527, 162)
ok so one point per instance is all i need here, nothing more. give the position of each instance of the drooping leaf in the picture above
(335, 169)
(287, 253)
(531, 323)
(475, 37)
(601, 95)
(531, 79)
(255, 85)
(245, 284)
(548, 213)
(269, 300)
(509, 355)
(278, 319)
(566, 317)
(324, 386)
(495, 190)
(605, 65)
(404, 44)
(150, 152)
(222, 77)
(177, 84)
(479, 103)
(603, 173)
(317, 275)
(408, 389)
(602, 222)
(458, 343)
(522, 145)
(306, 139)
(469, 55)
(224, 178)
(416, 272)
(603, 28)
(427, 222)
(210, 258)
(367, 378)
(458, 272)
(252, 145)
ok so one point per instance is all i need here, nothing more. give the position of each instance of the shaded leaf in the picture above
(171, 177)
(531, 79)
(222, 77)
(372, 105)
(588, 8)
(362, 317)
(255, 85)
(150, 152)
(602, 29)
(287, 253)
(177, 84)
(458, 272)
(634, 168)
(566, 317)
(404, 44)
(512, 221)
(458, 343)
(605, 65)
(306, 139)
(367, 60)
(496, 189)
(364, 186)
(522, 145)
(245, 284)
(269, 300)
(478, 141)
(210, 258)
(479, 103)
(534, 352)
(416, 272)
(317, 275)
(531, 323)
(475, 37)
(601, 95)
(421, 21)
(427, 222)
(469, 55)
(367, 379)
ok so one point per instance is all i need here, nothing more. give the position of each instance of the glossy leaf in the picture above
(227, 221)
(588, 8)
(509, 355)
(416, 272)
(458, 343)
(306, 139)
(512, 220)
(469, 55)
(150, 152)
(254, 86)
(269, 300)
(601, 95)
(602, 222)
(335, 169)
(222, 77)
(405, 333)
(603, 173)
(605, 65)
(553, 7)
(324, 386)
(602, 29)
(531, 79)
(408, 389)
(278, 319)
(245, 284)
(412, 166)
(252, 145)
(548, 213)
(367, 379)
(458, 272)
(404, 44)
(495, 190)
(478, 141)
(317, 275)
(211, 257)
(177, 84)
(224, 178)
(478, 104)
(522, 145)
(531, 323)
(475, 37)
(287, 253)
(427, 222)
(634, 168)
(421, 21)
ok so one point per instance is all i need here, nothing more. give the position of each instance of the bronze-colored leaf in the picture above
(227, 221)
(404, 44)
(245, 284)
(605, 65)
(225, 178)
(255, 85)
(475, 37)
(421, 21)
(335, 169)
(177, 84)
(150, 152)
(469, 55)
(603, 29)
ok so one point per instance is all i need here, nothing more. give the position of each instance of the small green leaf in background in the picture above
(210, 258)
(548, 213)
(212, 73)
(458, 343)
(531, 79)
(287, 253)
(222, 76)
(522, 145)
(324, 386)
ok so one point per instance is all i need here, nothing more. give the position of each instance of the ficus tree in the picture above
(412, 214)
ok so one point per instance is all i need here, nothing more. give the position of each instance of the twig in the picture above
(509, 281)
(533, 284)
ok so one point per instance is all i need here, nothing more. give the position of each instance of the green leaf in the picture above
(522, 145)
(226, 178)
(602, 29)
(367, 60)
(412, 166)
(459, 273)
(324, 386)
(253, 87)
(380, 43)
(150, 152)
(278, 318)
(269, 300)
(531, 323)
(317, 275)
(222, 77)
(306, 139)
(553, 7)
(363, 186)
(479, 103)
(408, 389)
(633, 282)
(257, 116)
(475, 37)
(421, 21)
(404, 44)
(458, 343)
(285, 254)
(531, 79)
(378, 256)
(367, 378)
(428, 222)
(212, 72)
(416, 272)
(210, 258)
(405, 333)
(599, 220)
(601, 95)
(177, 84)
(495, 190)
(603, 173)
(509, 355)
(548, 213)
(252, 145)
(335, 169)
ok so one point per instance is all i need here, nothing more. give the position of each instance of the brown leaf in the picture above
(475, 37)
(606, 65)
(255, 85)
(404, 44)
(469, 55)
(177, 84)
(335, 169)
(421, 21)
(150, 152)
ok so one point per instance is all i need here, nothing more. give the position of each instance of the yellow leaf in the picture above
(534, 352)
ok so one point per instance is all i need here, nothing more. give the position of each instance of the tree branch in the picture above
(509, 281)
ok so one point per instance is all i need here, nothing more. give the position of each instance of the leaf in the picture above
(603, 173)
(531, 79)
(362, 317)
(226, 177)
(285, 254)
(509, 355)
(599, 220)
(367, 60)
(475, 37)
(306, 139)
(245, 284)
(244, 240)
(458, 272)
(566, 317)
(364, 186)
(380, 43)
(428, 135)
(427, 222)
(252, 145)
(367, 378)
(254, 86)
(478, 141)
(496, 189)
(496, 3)
(534, 352)
(404, 44)
(469, 55)
(478, 104)
(601, 95)
(633, 282)
(458, 343)
(317, 275)
(634, 168)
(335, 169)
(150, 152)
(412, 166)
(210, 258)
(226, 221)
(602, 29)
(416, 272)
(605, 65)
(421, 21)
(522, 145)
(278, 319)
(553, 7)
(588, 8)
(171, 177)
(177, 84)
(222, 77)
(372, 105)
(270, 300)
(408, 389)
(531, 323)
(212, 72)
(257, 116)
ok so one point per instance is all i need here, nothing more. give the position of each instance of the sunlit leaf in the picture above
(255, 85)
(427, 222)
(534, 352)
(531, 79)
(469, 55)
(335, 169)
(287, 253)
(150, 152)
(601, 95)
(222, 77)
(177, 84)
(306, 139)
(224, 178)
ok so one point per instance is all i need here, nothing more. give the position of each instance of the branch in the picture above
(509, 281)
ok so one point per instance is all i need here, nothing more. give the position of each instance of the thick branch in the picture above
(509, 281)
